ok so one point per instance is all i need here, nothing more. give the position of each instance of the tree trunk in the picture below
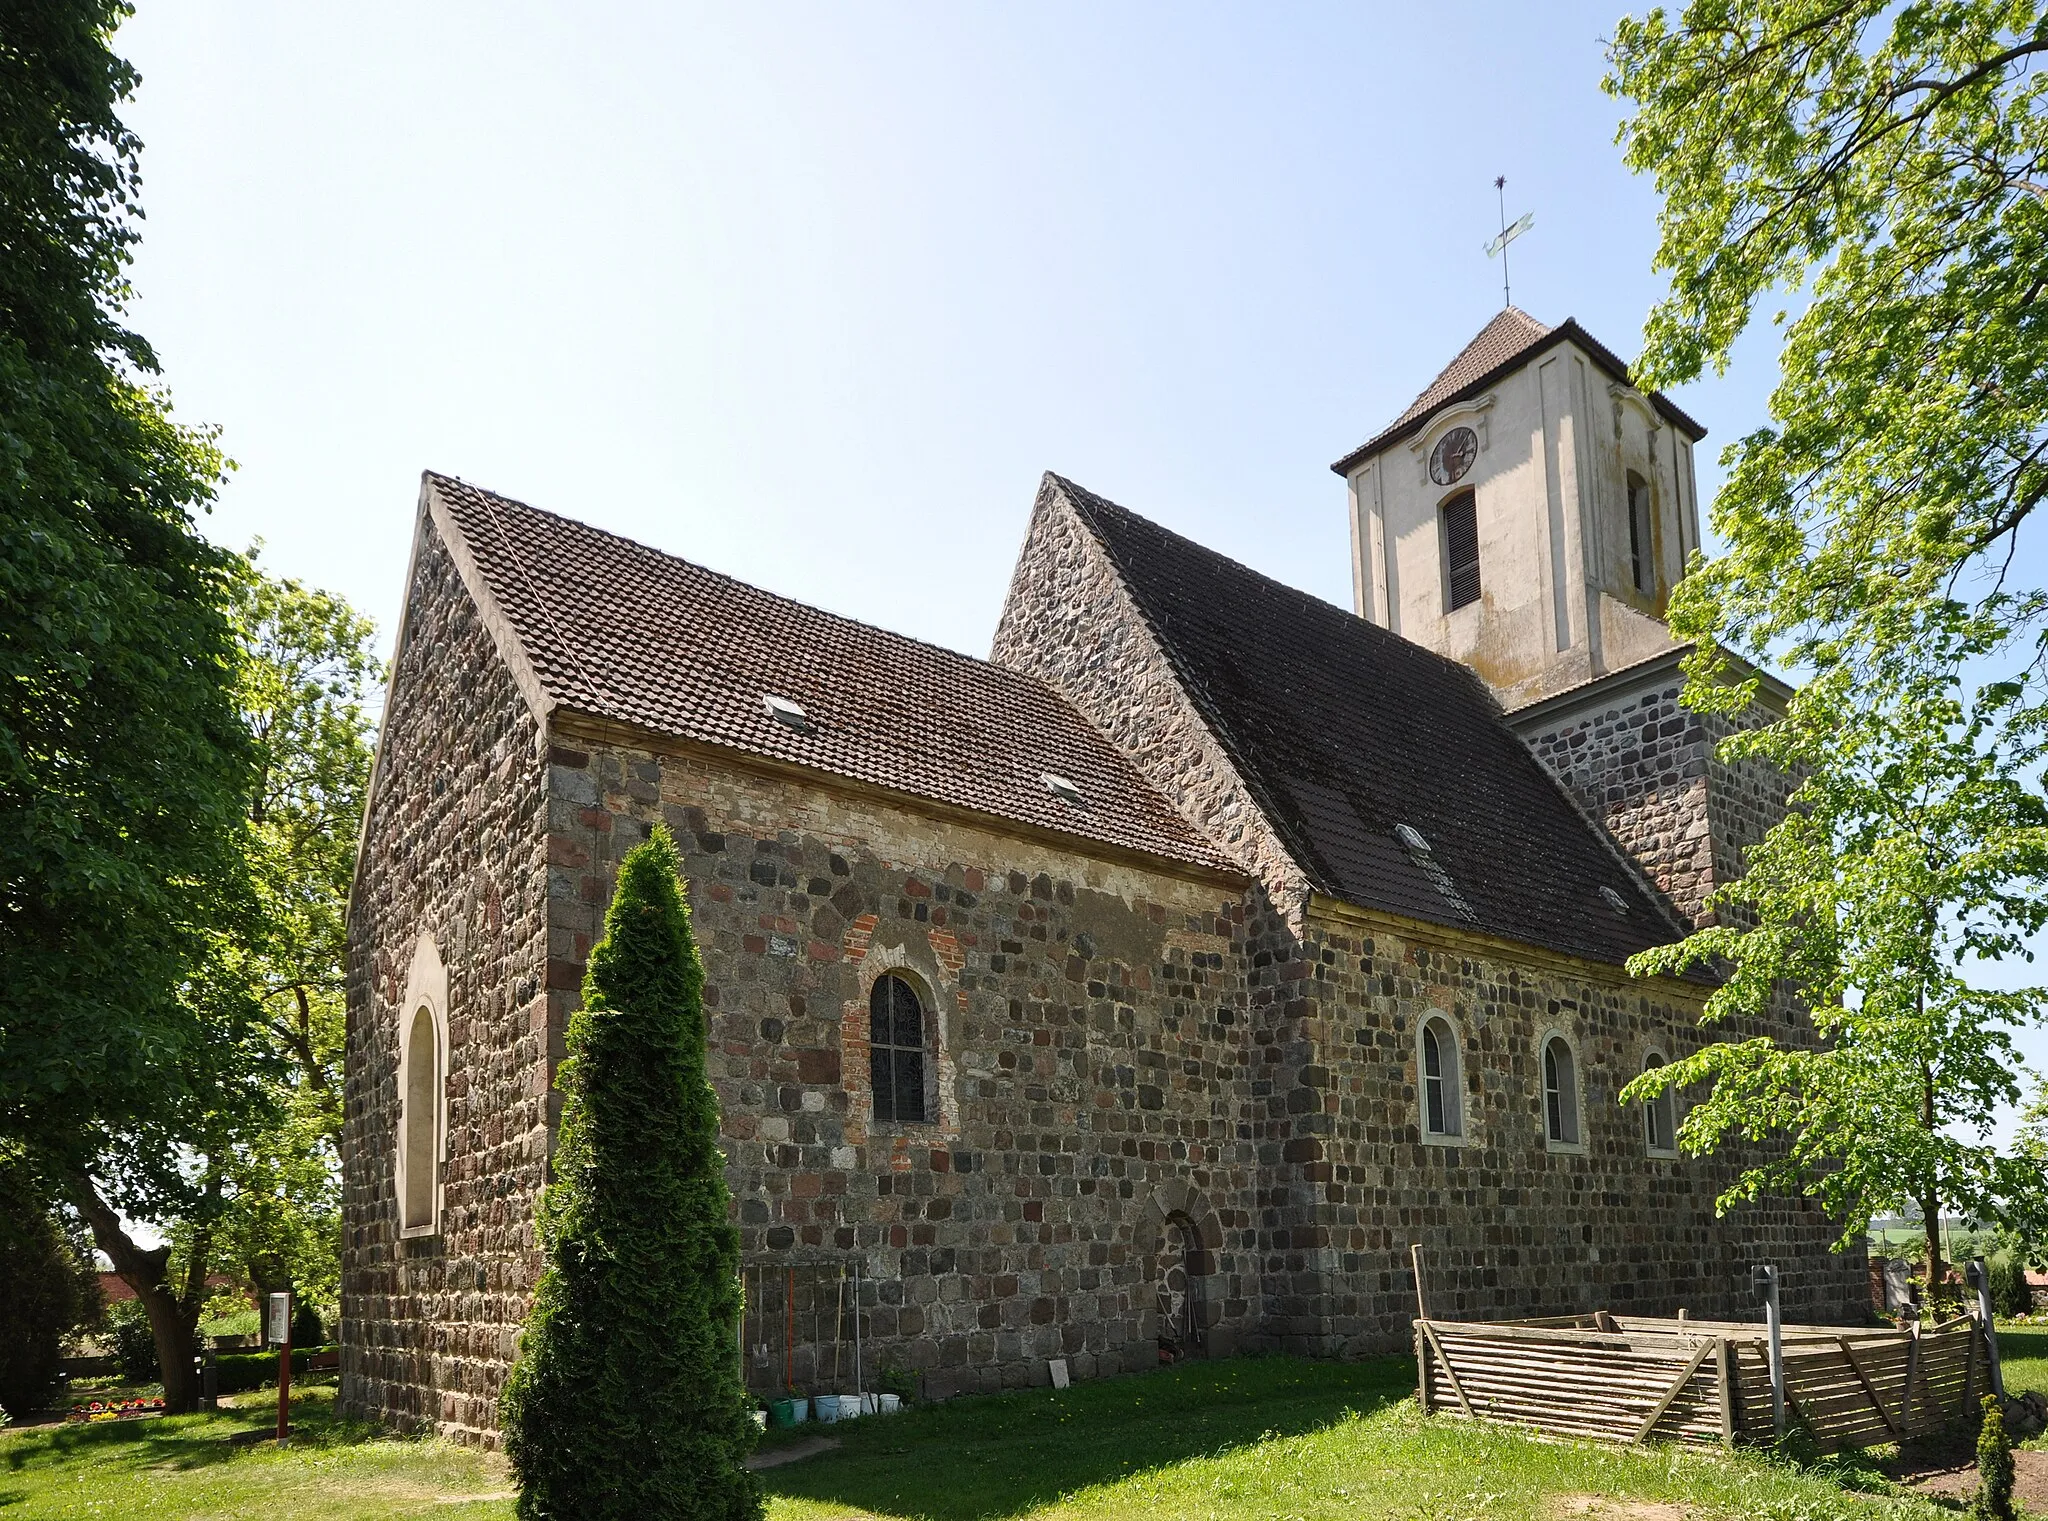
(1937, 1270)
(1930, 1197)
(144, 1272)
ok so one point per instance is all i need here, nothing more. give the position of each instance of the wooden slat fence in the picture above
(1634, 1379)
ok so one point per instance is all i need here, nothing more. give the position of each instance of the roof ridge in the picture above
(641, 546)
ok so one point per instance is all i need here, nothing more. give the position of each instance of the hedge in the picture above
(238, 1372)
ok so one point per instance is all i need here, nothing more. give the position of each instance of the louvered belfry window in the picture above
(1642, 570)
(1461, 549)
(896, 1050)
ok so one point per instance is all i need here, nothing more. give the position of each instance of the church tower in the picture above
(1528, 515)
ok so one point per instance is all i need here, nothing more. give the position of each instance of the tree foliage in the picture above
(627, 1402)
(47, 1291)
(1878, 168)
(307, 679)
(123, 763)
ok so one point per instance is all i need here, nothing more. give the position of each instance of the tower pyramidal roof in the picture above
(1511, 338)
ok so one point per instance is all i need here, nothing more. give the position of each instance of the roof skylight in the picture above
(1615, 901)
(1063, 789)
(783, 711)
(1412, 838)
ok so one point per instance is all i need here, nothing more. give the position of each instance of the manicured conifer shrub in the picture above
(1993, 1501)
(626, 1403)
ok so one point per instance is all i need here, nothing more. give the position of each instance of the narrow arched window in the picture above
(422, 1120)
(1642, 562)
(1440, 1111)
(1660, 1115)
(896, 1050)
(1461, 550)
(1560, 1093)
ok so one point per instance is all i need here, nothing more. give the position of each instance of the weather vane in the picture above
(1507, 235)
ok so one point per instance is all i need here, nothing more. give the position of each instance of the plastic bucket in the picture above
(826, 1408)
(791, 1412)
(890, 1403)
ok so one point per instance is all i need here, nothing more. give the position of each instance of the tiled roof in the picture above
(1344, 732)
(1508, 340)
(619, 631)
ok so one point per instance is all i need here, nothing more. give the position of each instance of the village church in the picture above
(1141, 992)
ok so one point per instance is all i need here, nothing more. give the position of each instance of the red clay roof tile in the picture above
(617, 630)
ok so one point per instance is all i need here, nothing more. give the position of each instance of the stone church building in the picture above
(1143, 991)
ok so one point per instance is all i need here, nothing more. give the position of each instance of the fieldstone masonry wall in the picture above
(455, 847)
(1127, 1055)
(1646, 767)
(1091, 1046)
(1511, 1224)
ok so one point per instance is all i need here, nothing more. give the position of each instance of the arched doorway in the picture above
(1178, 1240)
(1177, 1300)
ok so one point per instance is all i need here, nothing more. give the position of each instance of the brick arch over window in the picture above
(422, 1091)
(1178, 1226)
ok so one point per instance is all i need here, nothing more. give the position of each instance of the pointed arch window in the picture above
(897, 1053)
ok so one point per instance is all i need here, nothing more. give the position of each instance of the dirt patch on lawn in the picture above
(1948, 1468)
(1603, 1508)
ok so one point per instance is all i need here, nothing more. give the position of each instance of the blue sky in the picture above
(812, 294)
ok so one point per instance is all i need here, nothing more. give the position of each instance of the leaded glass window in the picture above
(896, 1050)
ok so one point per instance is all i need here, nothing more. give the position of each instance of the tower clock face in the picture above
(1453, 456)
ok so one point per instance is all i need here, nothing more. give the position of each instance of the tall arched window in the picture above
(1441, 1114)
(1641, 559)
(1560, 1093)
(422, 1116)
(1461, 551)
(896, 1050)
(1660, 1116)
(422, 1092)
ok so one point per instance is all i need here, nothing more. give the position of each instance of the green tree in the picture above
(307, 681)
(46, 1292)
(122, 761)
(255, 1192)
(626, 1402)
(1877, 169)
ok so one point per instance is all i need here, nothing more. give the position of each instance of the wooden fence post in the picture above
(1980, 1279)
(1724, 1366)
(1422, 1370)
(1764, 1279)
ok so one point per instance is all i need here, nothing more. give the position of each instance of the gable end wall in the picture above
(1069, 621)
(454, 845)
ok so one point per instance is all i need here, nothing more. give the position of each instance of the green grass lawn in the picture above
(1237, 1441)
(181, 1468)
(2023, 1357)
